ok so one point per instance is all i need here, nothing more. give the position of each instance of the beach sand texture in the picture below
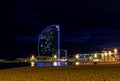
(63, 73)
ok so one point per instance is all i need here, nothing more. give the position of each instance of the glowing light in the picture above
(77, 63)
(115, 50)
(106, 54)
(54, 63)
(32, 64)
(90, 58)
(95, 55)
(32, 58)
(58, 28)
(55, 56)
(63, 60)
(102, 55)
(49, 28)
(58, 63)
(110, 53)
(95, 59)
(77, 56)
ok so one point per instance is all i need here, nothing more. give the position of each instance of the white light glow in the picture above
(115, 50)
(77, 56)
(95, 56)
(63, 60)
(102, 55)
(105, 54)
(32, 64)
(32, 58)
(90, 58)
(54, 63)
(77, 63)
(110, 53)
(95, 60)
(55, 56)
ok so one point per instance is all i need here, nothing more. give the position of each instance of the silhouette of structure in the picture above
(49, 40)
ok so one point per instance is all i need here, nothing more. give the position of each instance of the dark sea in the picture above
(7, 65)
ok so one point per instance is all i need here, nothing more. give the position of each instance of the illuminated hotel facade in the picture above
(49, 41)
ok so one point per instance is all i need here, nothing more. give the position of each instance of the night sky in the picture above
(86, 25)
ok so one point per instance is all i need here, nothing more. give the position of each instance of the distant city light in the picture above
(55, 56)
(115, 50)
(95, 56)
(105, 54)
(32, 64)
(110, 53)
(32, 58)
(90, 57)
(54, 63)
(76, 56)
(102, 55)
(77, 63)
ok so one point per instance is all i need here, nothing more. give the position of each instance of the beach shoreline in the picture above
(106, 72)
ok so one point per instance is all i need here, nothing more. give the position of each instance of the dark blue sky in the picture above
(85, 24)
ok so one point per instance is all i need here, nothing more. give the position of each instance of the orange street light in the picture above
(95, 55)
(115, 50)
(105, 54)
(110, 53)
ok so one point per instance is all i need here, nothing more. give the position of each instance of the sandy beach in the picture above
(64, 73)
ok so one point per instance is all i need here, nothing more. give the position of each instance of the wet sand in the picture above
(109, 72)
